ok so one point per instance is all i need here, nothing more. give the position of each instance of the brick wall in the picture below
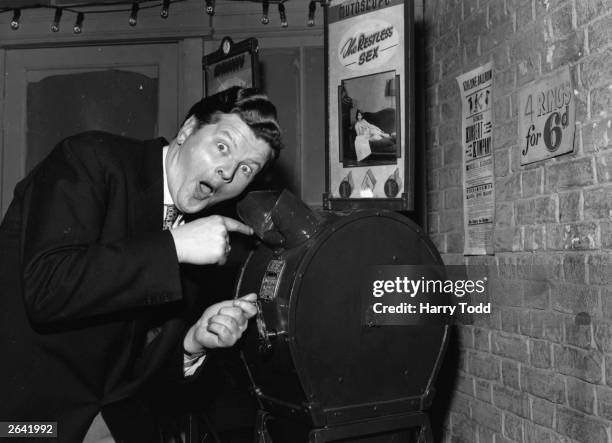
(539, 368)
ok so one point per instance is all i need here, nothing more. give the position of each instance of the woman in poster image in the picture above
(366, 129)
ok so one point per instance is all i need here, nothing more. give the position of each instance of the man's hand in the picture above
(221, 325)
(205, 241)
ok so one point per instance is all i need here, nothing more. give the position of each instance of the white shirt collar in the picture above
(167, 196)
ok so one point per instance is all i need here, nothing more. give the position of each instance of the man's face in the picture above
(213, 163)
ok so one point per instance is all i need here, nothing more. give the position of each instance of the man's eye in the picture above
(222, 147)
(246, 169)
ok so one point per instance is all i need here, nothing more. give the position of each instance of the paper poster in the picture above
(547, 118)
(367, 95)
(476, 141)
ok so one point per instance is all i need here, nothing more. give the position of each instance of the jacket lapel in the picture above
(148, 204)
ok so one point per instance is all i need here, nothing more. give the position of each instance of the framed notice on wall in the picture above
(370, 102)
(233, 64)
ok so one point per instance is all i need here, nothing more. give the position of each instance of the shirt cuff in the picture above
(192, 362)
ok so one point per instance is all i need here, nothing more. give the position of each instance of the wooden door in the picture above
(51, 93)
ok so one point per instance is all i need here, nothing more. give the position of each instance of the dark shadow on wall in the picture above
(445, 387)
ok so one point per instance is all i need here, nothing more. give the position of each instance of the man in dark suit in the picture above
(94, 294)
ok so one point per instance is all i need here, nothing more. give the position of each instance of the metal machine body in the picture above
(309, 355)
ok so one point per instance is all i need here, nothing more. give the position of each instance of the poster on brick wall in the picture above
(476, 142)
(369, 149)
(547, 117)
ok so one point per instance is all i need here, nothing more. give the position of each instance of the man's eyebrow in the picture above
(229, 135)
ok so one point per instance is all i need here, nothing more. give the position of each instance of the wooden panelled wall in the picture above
(292, 59)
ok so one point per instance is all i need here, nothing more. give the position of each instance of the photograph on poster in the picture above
(369, 120)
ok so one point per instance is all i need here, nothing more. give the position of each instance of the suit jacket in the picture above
(84, 269)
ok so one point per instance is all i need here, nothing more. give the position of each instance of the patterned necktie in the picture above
(171, 215)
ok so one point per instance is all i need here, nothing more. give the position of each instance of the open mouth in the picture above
(204, 190)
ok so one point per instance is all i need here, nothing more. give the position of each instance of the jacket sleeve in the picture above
(68, 272)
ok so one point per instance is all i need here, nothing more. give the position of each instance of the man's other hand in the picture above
(205, 241)
(221, 325)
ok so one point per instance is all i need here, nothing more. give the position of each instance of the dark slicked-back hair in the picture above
(254, 108)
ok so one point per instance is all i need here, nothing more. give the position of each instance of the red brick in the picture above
(601, 101)
(608, 369)
(596, 69)
(513, 427)
(573, 299)
(598, 203)
(536, 294)
(486, 415)
(432, 222)
(543, 324)
(542, 412)
(540, 353)
(548, 266)
(536, 434)
(606, 303)
(505, 83)
(603, 336)
(580, 427)
(454, 242)
(600, 33)
(506, 293)
(463, 428)
(450, 177)
(581, 395)
(508, 239)
(561, 22)
(604, 402)
(579, 363)
(482, 340)
(572, 236)
(606, 235)
(531, 41)
(486, 435)
(453, 198)
(460, 403)
(600, 269)
(451, 220)
(524, 13)
(510, 400)
(544, 384)
(536, 210)
(532, 182)
(603, 163)
(483, 366)
(595, 136)
(465, 384)
(566, 50)
(504, 215)
(534, 238)
(513, 347)
(508, 188)
(502, 162)
(510, 374)
(578, 334)
(570, 206)
(483, 390)
(545, 9)
(570, 174)
(509, 320)
(505, 134)
(587, 10)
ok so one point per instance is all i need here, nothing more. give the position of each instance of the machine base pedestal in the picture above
(410, 427)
